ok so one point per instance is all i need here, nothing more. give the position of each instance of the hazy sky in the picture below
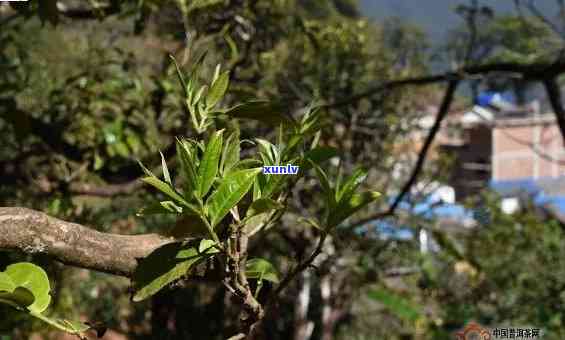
(437, 16)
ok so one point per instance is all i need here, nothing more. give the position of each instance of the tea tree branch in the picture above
(31, 231)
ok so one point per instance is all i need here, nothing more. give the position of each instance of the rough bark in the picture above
(32, 232)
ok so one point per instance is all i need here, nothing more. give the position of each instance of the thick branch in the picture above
(32, 231)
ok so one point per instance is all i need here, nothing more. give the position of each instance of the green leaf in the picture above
(261, 269)
(179, 74)
(269, 152)
(256, 222)
(351, 184)
(261, 110)
(231, 153)
(348, 208)
(199, 94)
(317, 156)
(262, 205)
(274, 185)
(292, 144)
(164, 207)
(398, 305)
(326, 186)
(166, 174)
(98, 162)
(166, 189)
(19, 297)
(257, 185)
(309, 122)
(216, 73)
(207, 247)
(209, 164)
(145, 170)
(34, 279)
(231, 190)
(188, 167)
(311, 222)
(245, 164)
(218, 89)
(162, 267)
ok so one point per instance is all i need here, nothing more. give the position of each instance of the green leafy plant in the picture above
(221, 200)
(25, 287)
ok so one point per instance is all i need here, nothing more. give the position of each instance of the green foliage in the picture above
(261, 206)
(35, 280)
(260, 110)
(230, 191)
(209, 165)
(507, 38)
(396, 304)
(164, 266)
(218, 88)
(25, 287)
(13, 295)
(216, 183)
(342, 201)
(261, 269)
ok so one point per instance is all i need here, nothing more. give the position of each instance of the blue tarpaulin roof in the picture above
(486, 98)
(430, 209)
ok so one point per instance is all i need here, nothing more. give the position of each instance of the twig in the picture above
(531, 71)
(442, 113)
(301, 267)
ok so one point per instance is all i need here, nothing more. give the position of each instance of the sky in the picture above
(437, 16)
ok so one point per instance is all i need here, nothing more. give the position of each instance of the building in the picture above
(517, 152)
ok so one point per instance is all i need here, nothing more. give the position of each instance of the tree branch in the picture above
(301, 266)
(531, 72)
(442, 113)
(32, 232)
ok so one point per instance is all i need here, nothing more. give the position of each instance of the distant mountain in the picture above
(437, 16)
